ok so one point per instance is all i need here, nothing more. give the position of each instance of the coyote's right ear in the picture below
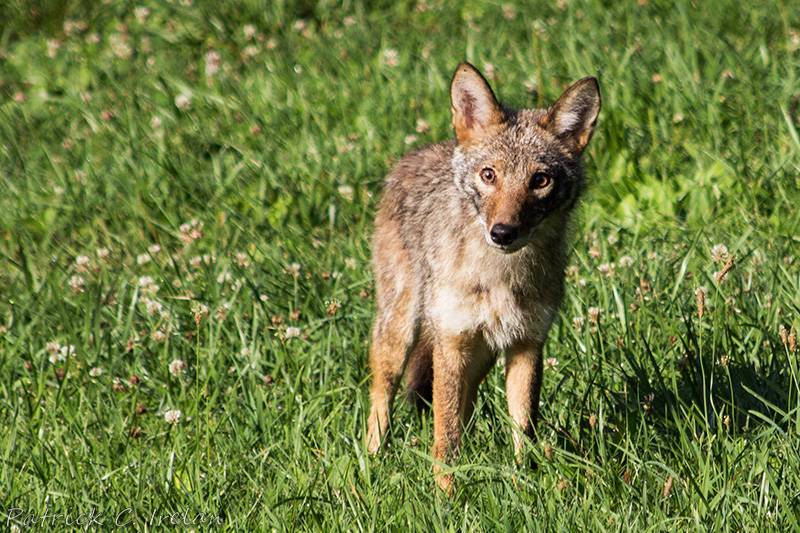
(573, 116)
(476, 111)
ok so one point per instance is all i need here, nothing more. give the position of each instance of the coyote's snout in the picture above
(469, 257)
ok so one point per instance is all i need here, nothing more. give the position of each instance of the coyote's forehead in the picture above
(520, 146)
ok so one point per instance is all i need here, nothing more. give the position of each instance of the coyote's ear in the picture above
(573, 116)
(476, 111)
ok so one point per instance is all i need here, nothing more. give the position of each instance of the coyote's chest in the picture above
(493, 295)
(494, 312)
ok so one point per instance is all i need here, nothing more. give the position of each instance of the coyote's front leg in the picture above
(523, 386)
(454, 356)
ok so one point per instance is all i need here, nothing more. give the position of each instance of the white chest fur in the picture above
(493, 311)
(475, 293)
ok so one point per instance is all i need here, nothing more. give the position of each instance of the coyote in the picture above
(470, 248)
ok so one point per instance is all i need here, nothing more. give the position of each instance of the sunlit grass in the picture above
(188, 192)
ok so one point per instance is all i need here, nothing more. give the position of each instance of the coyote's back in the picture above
(469, 256)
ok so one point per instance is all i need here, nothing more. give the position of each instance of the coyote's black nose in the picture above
(503, 234)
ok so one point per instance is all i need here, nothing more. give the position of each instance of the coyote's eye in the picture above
(540, 180)
(488, 175)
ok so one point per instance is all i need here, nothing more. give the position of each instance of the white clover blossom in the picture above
(183, 102)
(607, 269)
(177, 367)
(391, 57)
(120, 46)
(626, 261)
(173, 416)
(141, 13)
(213, 61)
(82, 263)
(242, 259)
(191, 231)
(719, 253)
(153, 307)
(148, 285)
(77, 283)
(66, 351)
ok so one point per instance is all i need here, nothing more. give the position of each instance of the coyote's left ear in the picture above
(574, 115)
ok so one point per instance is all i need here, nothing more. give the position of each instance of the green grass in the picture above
(280, 156)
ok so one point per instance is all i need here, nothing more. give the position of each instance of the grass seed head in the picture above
(722, 275)
(668, 486)
(200, 312)
(700, 294)
(333, 307)
(647, 403)
(548, 451)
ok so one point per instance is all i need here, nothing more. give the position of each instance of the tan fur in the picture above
(469, 258)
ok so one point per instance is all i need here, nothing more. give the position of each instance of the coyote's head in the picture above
(519, 166)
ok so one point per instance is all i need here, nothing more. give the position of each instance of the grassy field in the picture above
(187, 190)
